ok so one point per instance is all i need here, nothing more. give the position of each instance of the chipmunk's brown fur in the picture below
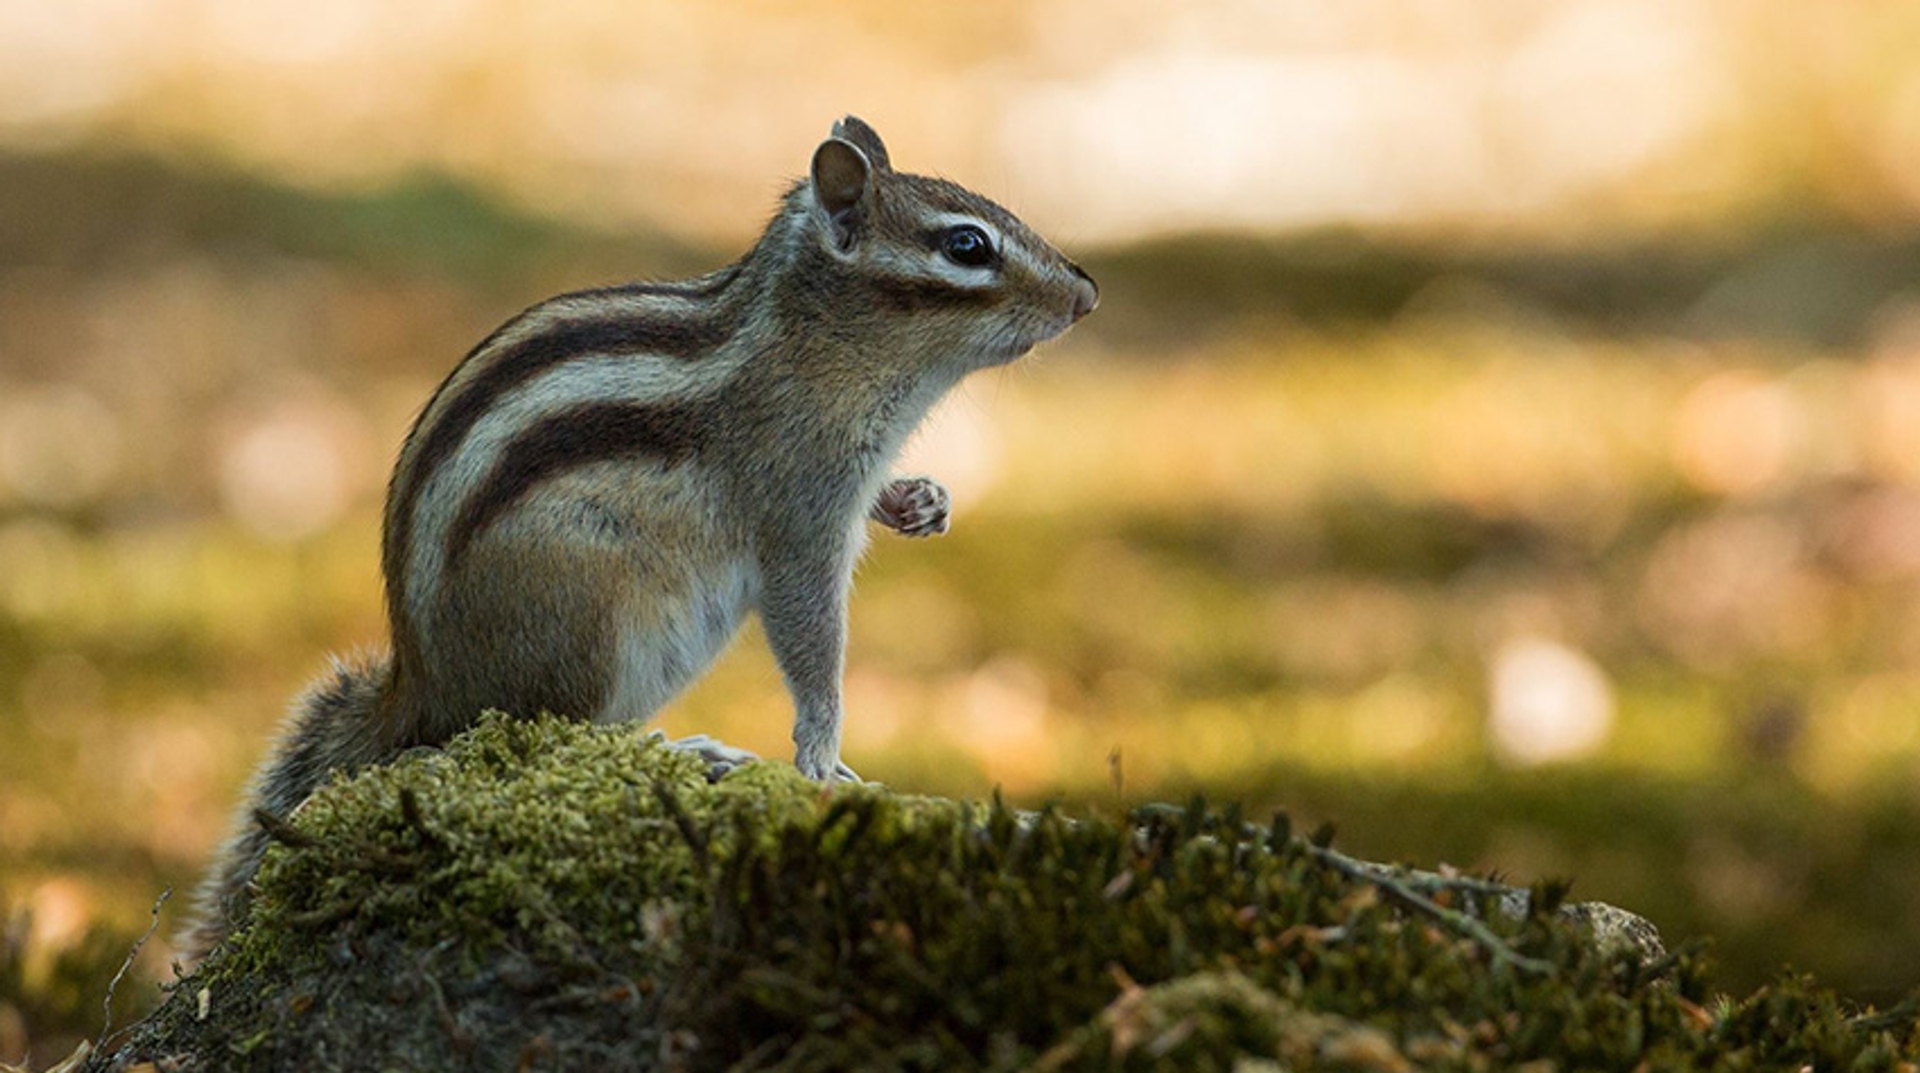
(591, 502)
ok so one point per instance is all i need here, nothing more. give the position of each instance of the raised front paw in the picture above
(912, 506)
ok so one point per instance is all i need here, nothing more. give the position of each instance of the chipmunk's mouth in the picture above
(1010, 352)
(1023, 341)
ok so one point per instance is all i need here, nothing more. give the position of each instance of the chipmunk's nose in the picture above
(1086, 297)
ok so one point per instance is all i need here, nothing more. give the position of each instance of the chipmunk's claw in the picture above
(913, 506)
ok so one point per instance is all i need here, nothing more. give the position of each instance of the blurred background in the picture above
(1500, 436)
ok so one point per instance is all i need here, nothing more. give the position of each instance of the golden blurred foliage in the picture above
(1108, 119)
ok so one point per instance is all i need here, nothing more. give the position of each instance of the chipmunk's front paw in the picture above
(823, 766)
(912, 506)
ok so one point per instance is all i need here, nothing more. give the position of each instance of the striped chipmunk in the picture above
(593, 500)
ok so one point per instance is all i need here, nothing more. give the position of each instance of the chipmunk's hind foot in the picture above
(720, 757)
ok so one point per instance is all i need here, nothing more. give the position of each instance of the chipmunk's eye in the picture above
(968, 245)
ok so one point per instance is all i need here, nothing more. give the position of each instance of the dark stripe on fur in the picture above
(701, 287)
(594, 432)
(676, 334)
(678, 337)
(916, 295)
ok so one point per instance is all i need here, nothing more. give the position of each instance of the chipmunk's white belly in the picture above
(661, 650)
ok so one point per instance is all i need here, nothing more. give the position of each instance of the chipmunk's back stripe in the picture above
(676, 337)
(703, 287)
(593, 432)
(700, 287)
(676, 333)
(672, 334)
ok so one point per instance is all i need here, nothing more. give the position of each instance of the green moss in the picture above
(1220, 1020)
(543, 830)
(544, 894)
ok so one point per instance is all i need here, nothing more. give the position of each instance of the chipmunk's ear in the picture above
(842, 182)
(854, 129)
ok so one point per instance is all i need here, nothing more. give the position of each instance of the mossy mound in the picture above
(550, 895)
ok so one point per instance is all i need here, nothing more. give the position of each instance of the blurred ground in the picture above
(1573, 530)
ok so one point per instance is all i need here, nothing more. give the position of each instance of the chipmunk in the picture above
(592, 501)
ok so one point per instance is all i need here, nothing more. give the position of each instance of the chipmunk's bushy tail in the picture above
(332, 727)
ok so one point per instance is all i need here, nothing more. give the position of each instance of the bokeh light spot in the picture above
(1549, 702)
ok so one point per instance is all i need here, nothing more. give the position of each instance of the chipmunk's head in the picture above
(943, 269)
